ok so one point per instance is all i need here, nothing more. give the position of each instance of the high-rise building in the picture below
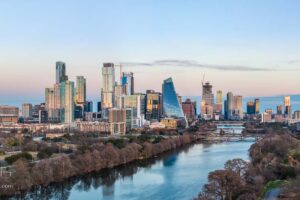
(153, 105)
(27, 110)
(207, 102)
(189, 109)
(257, 106)
(250, 108)
(279, 109)
(128, 83)
(134, 102)
(238, 107)
(117, 120)
(297, 114)
(118, 94)
(99, 106)
(88, 107)
(60, 72)
(108, 83)
(287, 101)
(288, 111)
(67, 97)
(80, 97)
(171, 105)
(230, 105)
(219, 97)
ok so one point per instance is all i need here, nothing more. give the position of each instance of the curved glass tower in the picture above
(171, 106)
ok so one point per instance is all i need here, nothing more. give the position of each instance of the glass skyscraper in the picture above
(67, 102)
(60, 72)
(128, 83)
(171, 106)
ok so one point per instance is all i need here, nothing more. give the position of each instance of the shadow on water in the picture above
(105, 178)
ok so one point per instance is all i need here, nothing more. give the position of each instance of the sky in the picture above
(251, 48)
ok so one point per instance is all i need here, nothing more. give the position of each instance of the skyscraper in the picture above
(108, 83)
(230, 105)
(207, 102)
(153, 105)
(27, 110)
(257, 106)
(60, 72)
(67, 101)
(238, 106)
(250, 108)
(80, 97)
(128, 83)
(219, 97)
(287, 101)
(279, 109)
(171, 106)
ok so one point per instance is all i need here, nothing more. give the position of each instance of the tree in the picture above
(21, 178)
(237, 165)
(222, 185)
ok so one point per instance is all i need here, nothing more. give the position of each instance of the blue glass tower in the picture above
(171, 106)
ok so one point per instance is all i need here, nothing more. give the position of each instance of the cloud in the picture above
(191, 63)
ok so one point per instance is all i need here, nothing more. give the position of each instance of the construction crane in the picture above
(121, 66)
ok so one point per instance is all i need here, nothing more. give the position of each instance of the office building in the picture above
(257, 106)
(250, 108)
(170, 123)
(118, 94)
(89, 106)
(9, 114)
(117, 121)
(288, 112)
(219, 97)
(60, 72)
(279, 110)
(238, 107)
(171, 106)
(134, 102)
(153, 105)
(99, 106)
(27, 110)
(189, 109)
(230, 105)
(297, 114)
(207, 101)
(80, 94)
(129, 119)
(67, 97)
(128, 83)
(287, 101)
(108, 83)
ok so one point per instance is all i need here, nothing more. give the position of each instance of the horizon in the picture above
(249, 48)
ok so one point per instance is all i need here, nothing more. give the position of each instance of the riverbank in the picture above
(93, 158)
(273, 159)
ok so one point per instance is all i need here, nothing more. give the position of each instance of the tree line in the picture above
(94, 157)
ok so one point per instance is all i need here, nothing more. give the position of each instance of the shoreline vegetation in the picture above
(91, 156)
(274, 164)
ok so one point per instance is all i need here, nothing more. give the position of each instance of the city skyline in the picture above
(237, 48)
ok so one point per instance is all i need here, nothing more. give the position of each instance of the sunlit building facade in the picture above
(153, 105)
(108, 83)
(67, 92)
(27, 110)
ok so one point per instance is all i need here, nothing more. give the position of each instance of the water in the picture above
(176, 175)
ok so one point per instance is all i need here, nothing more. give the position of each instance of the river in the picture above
(176, 175)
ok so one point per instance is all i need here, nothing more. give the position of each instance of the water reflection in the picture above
(172, 176)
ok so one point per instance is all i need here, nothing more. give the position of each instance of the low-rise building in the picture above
(9, 114)
(102, 127)
(169, 122)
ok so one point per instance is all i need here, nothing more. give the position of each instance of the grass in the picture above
(272, 185)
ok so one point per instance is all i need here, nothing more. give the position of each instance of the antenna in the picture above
(203, 79)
